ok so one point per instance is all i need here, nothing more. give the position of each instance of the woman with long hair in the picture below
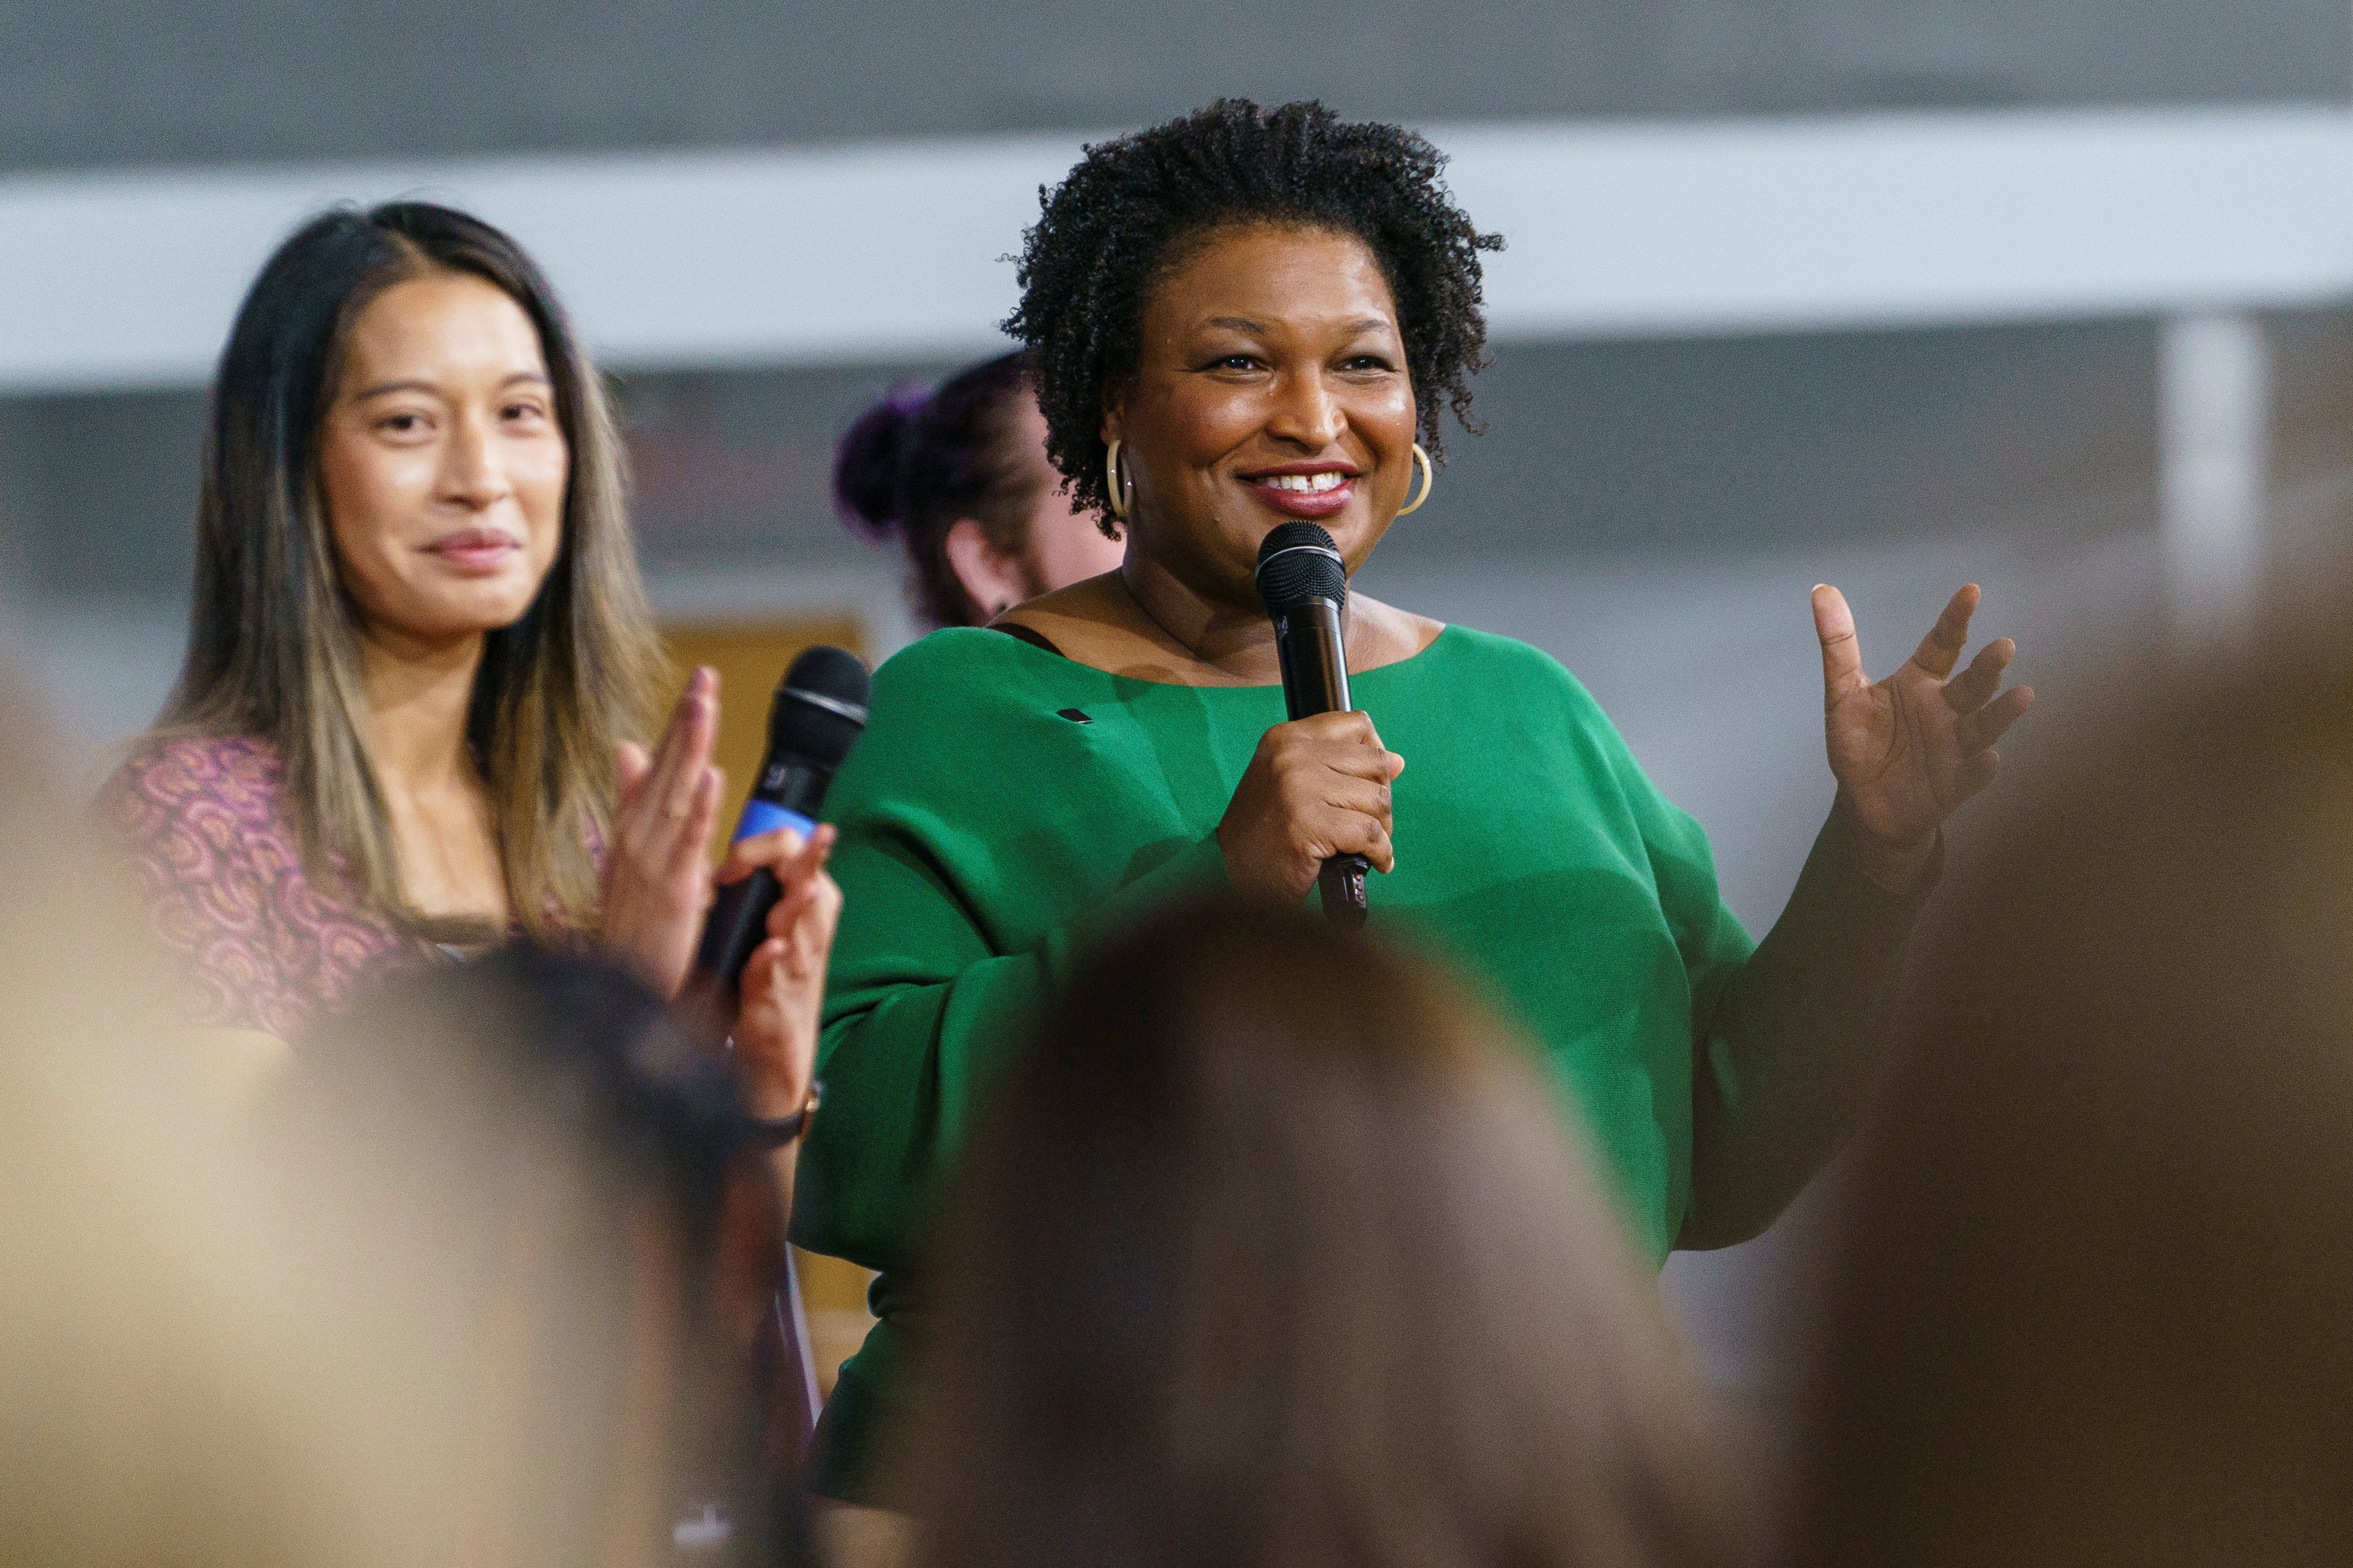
(419, 656)
(1270, 1250)
(958, 477)
(1244, 319)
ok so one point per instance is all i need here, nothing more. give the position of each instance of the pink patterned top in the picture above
(258, 944)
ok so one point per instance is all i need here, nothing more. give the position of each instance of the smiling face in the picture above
(1271, 387)
(441, 462)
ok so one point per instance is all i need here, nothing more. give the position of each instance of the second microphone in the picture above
(819, 713)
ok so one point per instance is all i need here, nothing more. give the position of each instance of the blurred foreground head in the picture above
(1272, 1252)
(134, 1429)
(2095, 1282)
(529, 1219)
(459, 1294)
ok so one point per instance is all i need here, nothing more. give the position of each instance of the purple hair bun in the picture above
(867, 463)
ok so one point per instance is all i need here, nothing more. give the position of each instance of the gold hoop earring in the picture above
(1118, 491)
(1428, 479)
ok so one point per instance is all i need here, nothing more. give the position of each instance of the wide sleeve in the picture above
(1785, 1031)
(948, 948)
(1785, 1056)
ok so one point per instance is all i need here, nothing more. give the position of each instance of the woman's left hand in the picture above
(1907, 750)
(783, 981)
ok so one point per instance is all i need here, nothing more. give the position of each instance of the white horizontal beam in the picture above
(1910, 220)
(896, 251)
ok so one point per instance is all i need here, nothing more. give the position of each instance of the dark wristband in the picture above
(774, 1132)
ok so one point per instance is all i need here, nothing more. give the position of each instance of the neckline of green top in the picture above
(1065, 662)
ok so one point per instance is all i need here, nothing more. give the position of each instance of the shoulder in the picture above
(951, 713)
(1091, 599)
(1499, 686)
(1506, 663)
(165, 778)
(953, 670)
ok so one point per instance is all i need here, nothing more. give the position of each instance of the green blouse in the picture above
(1005, 804)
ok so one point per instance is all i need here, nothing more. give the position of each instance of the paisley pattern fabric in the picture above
(257, 944)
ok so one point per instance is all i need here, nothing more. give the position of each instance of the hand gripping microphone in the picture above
(819, 710)
(1304, 585)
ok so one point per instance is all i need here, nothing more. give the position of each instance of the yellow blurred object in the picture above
(750, 657)
(833, 1294)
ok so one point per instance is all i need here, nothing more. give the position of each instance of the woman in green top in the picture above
(1235, 320)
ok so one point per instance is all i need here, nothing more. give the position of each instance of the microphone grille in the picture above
(821, 705)
(1299, 562)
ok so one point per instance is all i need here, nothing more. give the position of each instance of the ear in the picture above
(1114, 415)
(992, 578)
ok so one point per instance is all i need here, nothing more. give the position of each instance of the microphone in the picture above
(1304, 585)
(819, 712)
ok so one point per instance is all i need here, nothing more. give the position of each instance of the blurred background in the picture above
(1890, 293)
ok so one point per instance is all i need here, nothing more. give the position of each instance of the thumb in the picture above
(1843, 674)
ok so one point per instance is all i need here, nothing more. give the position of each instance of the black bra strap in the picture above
(1033, 637)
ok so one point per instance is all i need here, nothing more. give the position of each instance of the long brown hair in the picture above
(1272, 1252)
(273, 638)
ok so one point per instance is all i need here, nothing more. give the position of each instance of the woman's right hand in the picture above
(658, 865)
(1316, 787)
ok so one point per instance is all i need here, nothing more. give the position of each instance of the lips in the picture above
(475, 549)
(1308, 490)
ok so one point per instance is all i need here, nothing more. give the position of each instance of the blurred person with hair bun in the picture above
(1237, 320)
(2089, 1279)
(1269, 1251)
(958, 477)
(419, 655)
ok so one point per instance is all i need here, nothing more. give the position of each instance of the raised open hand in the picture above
(658, 864)
(1907, 750)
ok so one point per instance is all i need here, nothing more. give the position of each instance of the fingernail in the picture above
(1817, 587)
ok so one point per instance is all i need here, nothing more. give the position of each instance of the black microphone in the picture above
(1304, 585)
(819, 713)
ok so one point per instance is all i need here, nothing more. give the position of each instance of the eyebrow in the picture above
(382, 387)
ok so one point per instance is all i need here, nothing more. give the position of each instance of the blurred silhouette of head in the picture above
(141, 1421)
(587, 1258)
(1272, 1251)
(472, 1286)
(2092, 1282)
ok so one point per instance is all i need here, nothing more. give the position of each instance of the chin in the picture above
(464, 615)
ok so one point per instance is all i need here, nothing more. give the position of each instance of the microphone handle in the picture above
(1340, 884)
(1315, 680)
(739, 915)
(738, 924)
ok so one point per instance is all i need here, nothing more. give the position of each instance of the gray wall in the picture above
(146, 81)
(1585, 446)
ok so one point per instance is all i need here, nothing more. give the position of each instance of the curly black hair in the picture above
(1124, 215)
